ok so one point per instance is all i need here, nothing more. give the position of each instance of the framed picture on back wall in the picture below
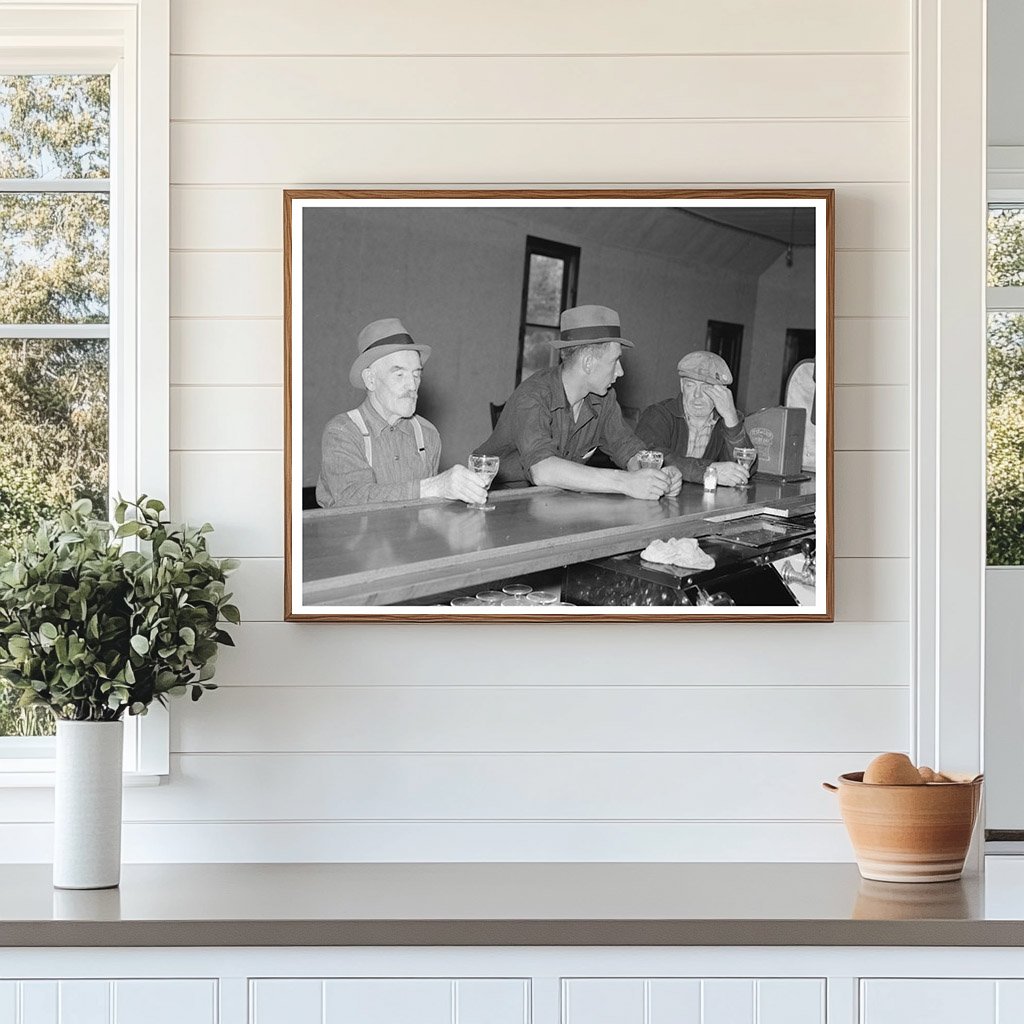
(559, 405)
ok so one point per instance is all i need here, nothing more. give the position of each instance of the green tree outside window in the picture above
(54, 283)
(1005, 476)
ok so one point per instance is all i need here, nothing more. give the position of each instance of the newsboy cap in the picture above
(379, 339)
(589, 325)
(706, 367)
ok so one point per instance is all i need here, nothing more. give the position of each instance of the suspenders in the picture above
(417, 429)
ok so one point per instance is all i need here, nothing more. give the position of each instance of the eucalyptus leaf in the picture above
(92, 631)
(170, 549)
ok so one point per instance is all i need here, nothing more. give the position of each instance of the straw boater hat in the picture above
(379, 339)
(706, 367)
(589, 325)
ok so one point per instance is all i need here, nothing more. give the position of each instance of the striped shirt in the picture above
(346, 478)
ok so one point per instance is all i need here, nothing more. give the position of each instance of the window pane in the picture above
(54, 257)
(1005, 484)
(15, 721)
(544, 296)
(1005, 246)
(53, 445)
(54, 126)
(538, 354)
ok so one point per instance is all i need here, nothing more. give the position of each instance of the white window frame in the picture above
(1003, 713)
(130, 41)
(948, 448)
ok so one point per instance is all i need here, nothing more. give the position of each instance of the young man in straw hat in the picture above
(700, 426)
(556, 419)
(383, 451)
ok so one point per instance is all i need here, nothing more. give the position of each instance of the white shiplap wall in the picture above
(680, 741)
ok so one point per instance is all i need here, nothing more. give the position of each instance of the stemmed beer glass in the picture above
(485, 467)
(745, 457)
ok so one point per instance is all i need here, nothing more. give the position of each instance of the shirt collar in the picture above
(559, 399)
(376, 423)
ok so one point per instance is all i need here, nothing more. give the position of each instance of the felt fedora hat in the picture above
(589, 325)
(379, 339)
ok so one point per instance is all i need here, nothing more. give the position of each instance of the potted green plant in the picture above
(92, 631)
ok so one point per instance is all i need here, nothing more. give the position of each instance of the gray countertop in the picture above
(518, 904)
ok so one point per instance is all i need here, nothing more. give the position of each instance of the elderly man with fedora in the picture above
(700, 426)
(556, 419)
(383, 451)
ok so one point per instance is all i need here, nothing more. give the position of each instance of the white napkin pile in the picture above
(682, 551)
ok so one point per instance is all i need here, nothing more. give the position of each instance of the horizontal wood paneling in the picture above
(232, 284)
(155, 842)
(251, 418)
(538, 88)
(872, 351)
(818, 95)
(546, 717)
(868, 216)
(872, 283)
(210, 284)
(242, 418)
(872, 504)
(625, 787)
(872, 589)
(227, 352)
(730, 153)
(258, 586)
(872, 418)
(579, 654)
(534, 26)
(242, 493)
(867, 589)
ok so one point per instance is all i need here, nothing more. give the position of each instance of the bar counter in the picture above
(390, 553)
(563, 904)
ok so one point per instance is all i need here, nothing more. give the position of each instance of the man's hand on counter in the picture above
(730, 474)
(675, 477)
(456, 484)
(648, 484)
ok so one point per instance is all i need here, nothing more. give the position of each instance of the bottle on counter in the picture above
(710, 479)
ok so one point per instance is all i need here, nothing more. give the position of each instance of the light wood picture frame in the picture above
(483, 278)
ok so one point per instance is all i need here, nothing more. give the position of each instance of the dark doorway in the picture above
(726, 340)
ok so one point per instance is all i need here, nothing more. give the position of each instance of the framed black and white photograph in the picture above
(559, 405)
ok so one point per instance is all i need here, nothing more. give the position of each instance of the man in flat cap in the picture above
(700, 426)
(556, 419)
(383, 451)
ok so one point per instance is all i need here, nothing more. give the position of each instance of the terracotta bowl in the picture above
(909, 833)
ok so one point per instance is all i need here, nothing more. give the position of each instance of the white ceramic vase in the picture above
(87, 805)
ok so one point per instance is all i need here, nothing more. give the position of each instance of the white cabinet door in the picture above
(693, 1001)
(145, 1001)
(389, 1001)
(934, 1001)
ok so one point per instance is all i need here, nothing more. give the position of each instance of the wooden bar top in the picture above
(386, 554)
